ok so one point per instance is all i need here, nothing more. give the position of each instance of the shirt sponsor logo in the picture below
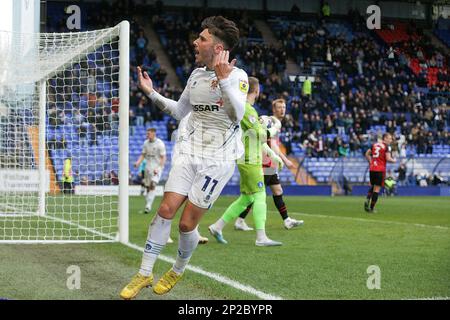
(205, 107)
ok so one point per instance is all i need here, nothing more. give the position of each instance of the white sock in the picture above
(220, 224)
(158, 234)
(261, 235)
(150, 197)
(239, 220)
(186, 246)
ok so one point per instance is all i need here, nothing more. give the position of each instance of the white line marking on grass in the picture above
(217, 277)
(214, 276)
(360, 219)
(429, 298)
(370, 220)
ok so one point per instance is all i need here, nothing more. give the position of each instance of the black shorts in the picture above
(270, 180)
(377, 178)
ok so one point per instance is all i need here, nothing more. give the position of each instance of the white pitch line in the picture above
(360, 219)
(429, 298)
(217, 277)
(370, 220)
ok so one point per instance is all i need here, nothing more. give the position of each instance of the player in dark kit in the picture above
(378, 156)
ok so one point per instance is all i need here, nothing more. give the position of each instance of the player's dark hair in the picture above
(151, 129)
(224, 29)
(386, 134)
(253, 84)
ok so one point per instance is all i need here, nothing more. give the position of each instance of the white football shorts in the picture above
(201, 180)
(150, 176)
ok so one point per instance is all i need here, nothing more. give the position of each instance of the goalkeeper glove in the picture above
(273, 156)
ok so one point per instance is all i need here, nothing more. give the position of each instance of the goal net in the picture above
(64, 136)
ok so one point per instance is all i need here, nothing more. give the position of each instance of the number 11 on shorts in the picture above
(207, 182)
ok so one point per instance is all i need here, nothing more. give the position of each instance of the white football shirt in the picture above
(217, 107)
(208, 131)
(152, 152)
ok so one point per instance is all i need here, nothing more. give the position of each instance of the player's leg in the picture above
(240, 221)
(189, 238)
(368, 198)
(376, 191)
(143, 187)
(147, 182)
(277, 192)
(252, 181)
(158, 234)
(177, 187)
(150, 197)
(259, 216)
(230, 214)
(151, 193)
(376, 180)
(210, 179)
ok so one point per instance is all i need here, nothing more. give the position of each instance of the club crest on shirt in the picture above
(214, 84)
(243, 85)
(252, 119)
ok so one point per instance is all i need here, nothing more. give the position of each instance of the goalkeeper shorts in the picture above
(252, 178)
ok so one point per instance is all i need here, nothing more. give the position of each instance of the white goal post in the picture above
(64, 110)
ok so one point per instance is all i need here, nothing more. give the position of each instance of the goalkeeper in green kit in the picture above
(250, 168)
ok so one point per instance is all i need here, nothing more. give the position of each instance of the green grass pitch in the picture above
(327, 258)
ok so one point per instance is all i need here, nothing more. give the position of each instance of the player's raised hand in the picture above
(144, 81)
(222, 67)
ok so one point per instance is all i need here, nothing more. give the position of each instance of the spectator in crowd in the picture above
(438, 179)
(401, 171)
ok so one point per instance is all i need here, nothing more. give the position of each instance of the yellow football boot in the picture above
(202, 240)
(167, 282)
(137, 283)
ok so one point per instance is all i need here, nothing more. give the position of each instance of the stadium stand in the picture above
(365, 84)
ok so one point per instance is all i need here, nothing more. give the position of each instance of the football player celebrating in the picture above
(215, 94)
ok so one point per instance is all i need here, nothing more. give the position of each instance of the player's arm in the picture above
(368, 155)
(285, 160)
(272, 155)
(389, 158)
(177, 109)
(162, 160)
(162, 156)
(249, 121)
(139, 160)
(234, 86)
